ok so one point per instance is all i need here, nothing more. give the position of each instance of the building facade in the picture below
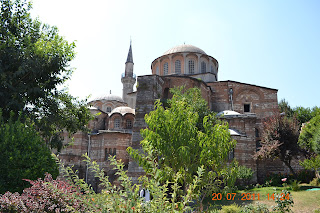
(119, 120)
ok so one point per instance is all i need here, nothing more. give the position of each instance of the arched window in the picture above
(191, 66)
(108, 109)
(212, 69)
(177, 67)
(203, 67)
(129, 124)
(157, 70)
(114, 151)
(165, 68)
(117, 123)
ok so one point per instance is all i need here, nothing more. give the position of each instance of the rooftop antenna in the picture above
(130, 40)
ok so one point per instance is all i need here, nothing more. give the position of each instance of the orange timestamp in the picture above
(232, 196)
(247, 196)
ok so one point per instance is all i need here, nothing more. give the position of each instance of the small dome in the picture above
(184, 48)
(123, 110)
(110, 97)
(228, 113)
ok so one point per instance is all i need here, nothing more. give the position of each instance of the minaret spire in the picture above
(130, 58)
(128, 78)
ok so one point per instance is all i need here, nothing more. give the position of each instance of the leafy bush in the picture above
(274, 179)
(74, 195)
(257, 208)
(305, 176)
(315, 182)
(234, 208)
(125, 198)
(295, 185)
(24, 154)
(46, 195)
(284, 201)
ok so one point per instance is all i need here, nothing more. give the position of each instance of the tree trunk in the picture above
(291, 169)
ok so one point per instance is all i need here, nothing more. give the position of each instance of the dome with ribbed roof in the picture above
(123, 110)
(184, 48)
(110, 97)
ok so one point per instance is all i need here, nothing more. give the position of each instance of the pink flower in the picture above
(284, 179)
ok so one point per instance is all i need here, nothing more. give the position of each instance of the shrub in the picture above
(125, 198)
(234, 208)
(257, 208)
(295, 185)
(305, 176)
(283, 201)
(315, 182)
(46, 195)
(25, 154)
(274, 179)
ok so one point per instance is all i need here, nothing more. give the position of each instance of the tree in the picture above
(285, 108)
(34, 61)
(310, 140)
(280, 140)
(24, 155)
(185, 136)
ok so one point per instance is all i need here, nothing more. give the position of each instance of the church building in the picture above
(120, 119)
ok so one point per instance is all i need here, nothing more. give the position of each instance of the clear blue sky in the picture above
(269, 43)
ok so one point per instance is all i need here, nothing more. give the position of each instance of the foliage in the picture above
(255, 208)
(185, 136)
(310, 140)
(245, 174)
(285, 108)
(310, 135)
(282, 203)
(233, 208)
(295, 185)
(46, 195)
(126, 197)
(302, 114)
(34, 62)
(74, 195)
(279, 140)
(315, 182)
(23, 153)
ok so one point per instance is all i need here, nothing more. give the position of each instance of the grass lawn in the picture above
(304, 201)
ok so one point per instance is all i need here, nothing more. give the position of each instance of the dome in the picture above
(184, 48)
(228, 113)
(110, 97)
(123, 110)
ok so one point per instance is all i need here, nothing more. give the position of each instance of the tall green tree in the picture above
(34, 62)
(24, 155)
(309, 139)
(185, 136)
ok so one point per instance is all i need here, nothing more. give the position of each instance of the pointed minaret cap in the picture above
(130, 58)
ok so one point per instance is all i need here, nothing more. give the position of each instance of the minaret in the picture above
(128, 79)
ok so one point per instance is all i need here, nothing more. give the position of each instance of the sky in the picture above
(269, 43)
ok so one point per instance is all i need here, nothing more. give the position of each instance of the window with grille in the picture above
(117, 123)
(177, 67)
(191, 66)
(165, 68)
(203, 67)
(129, 124)
(157, 70)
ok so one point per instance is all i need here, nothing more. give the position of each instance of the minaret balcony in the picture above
(128, 75)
